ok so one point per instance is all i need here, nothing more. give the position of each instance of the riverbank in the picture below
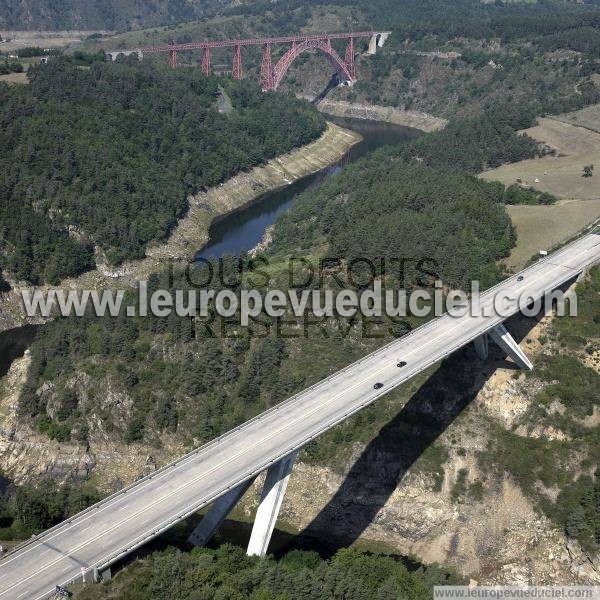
(387, 114)
(243, 230)
(191, 232)
(243, 189)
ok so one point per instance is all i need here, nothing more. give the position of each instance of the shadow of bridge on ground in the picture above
(424, 418)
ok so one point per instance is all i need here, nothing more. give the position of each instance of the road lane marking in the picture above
(185, 462)
(273, 434)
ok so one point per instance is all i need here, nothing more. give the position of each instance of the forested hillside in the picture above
(201, 383)
(102, 14)
(421, 16)
(418, 197)
(478, 142)
(228, 573)
(412, 200)
(107, 156)
(445, 58)
(540, 53)
(387, 208)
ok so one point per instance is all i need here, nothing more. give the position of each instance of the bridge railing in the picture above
(255, 41)
(435, 357)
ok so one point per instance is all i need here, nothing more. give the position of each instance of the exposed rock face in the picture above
(498, 540)
(494, 537)
(388, 114)
(26, 454)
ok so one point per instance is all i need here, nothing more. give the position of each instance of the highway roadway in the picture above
(109, 530)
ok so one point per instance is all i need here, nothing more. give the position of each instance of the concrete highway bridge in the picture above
(219, 472)
(271, 75)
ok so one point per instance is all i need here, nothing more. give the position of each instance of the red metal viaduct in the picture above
(271, 76)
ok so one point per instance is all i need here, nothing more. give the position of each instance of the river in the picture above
(242, 230)
(233, 234)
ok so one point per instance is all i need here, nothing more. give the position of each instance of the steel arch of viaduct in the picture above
(296, 49)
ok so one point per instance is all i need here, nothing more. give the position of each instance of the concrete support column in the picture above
(501, 336)
(101, 575)
(482, 346)
(372, 44)
(271, 499)
(383, 36)
(216, 515)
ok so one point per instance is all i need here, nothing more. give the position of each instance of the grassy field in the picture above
(14, 78)
(561, 174)
(588, 117)
(43, 39)
(540, 227)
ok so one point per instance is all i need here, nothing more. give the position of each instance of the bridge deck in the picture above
(110, 529)
(255, 41)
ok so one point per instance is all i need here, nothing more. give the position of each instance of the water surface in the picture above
(242, 230)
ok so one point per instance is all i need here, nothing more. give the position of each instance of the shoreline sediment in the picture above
(386, 114)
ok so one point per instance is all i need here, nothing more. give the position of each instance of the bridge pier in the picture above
(271, 499)
(115, 54)
(349, 58)
(506, 342)
(266, 69)
(206, 61)
(377, 41)
(271, 76)
(236, 71)
(482, 346)
(217, 514)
